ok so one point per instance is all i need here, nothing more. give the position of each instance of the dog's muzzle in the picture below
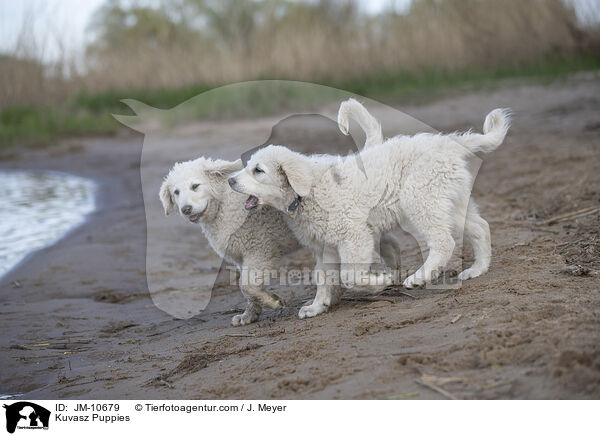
(195, 218)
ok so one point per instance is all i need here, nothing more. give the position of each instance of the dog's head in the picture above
(193, 188)
(276, 176)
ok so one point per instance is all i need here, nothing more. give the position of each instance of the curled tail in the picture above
(356, 111)
(495, 128)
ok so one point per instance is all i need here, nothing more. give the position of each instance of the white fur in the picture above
(352, 109)
(255, 240)
(421, 182)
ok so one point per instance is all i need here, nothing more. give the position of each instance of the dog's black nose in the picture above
(186, 210)
(232, 181)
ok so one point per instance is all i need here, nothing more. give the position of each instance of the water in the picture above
(10, 396)
(37, 208)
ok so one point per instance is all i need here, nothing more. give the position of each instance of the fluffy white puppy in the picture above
(339, 204)
(254, 240)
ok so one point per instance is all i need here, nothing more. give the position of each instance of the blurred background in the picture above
(64, 64)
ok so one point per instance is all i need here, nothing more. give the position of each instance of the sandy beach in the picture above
(78, 321)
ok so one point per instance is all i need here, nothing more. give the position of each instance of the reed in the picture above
(160, 54)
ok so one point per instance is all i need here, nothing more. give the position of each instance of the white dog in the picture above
(254, 240)
(336, 205)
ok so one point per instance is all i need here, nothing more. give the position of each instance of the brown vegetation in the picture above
(182, 42)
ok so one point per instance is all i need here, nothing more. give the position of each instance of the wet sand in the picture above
(78, 321)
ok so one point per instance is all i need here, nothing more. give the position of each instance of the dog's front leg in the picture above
(325, 274)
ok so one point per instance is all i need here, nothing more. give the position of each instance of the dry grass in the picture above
(164, 58)
(334, 40)
(329, 40)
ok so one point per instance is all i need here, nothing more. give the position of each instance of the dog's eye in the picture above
(195, 186)
(257, 170)
(176, 192)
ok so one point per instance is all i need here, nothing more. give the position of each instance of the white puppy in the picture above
(338, 204)
(254, 240)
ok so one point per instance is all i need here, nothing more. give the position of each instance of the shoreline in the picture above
(73, 227)
(60, 160)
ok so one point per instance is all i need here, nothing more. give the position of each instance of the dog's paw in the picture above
(413, 282)
(278, 303)
(311, 310)
(470, 273)
(244, 319)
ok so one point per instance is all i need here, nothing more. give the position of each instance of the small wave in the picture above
(37, 208)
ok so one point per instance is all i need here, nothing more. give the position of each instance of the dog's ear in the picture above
(224, 169)
(166, 199)
(298, 176)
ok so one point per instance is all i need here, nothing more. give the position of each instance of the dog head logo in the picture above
(26, 415)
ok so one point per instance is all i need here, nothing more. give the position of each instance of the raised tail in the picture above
(495, 128)
(352, 109)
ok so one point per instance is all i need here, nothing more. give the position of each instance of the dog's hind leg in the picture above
(390, 250)
(477, 232)
(356, 258)
(441, 245)
(252, 281)
(250, 315)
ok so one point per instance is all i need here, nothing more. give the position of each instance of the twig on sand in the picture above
(408, 295)
(194, 343)
(77, 345)
(456, 318)
(394, 292)
(166, 331)
(231, 335)
(440, 381)
(570, 215)
(161, 382)
(404, 396)
(45, 356)
(534, 229)
(366, 298)
(437, 389)
(399, 353)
